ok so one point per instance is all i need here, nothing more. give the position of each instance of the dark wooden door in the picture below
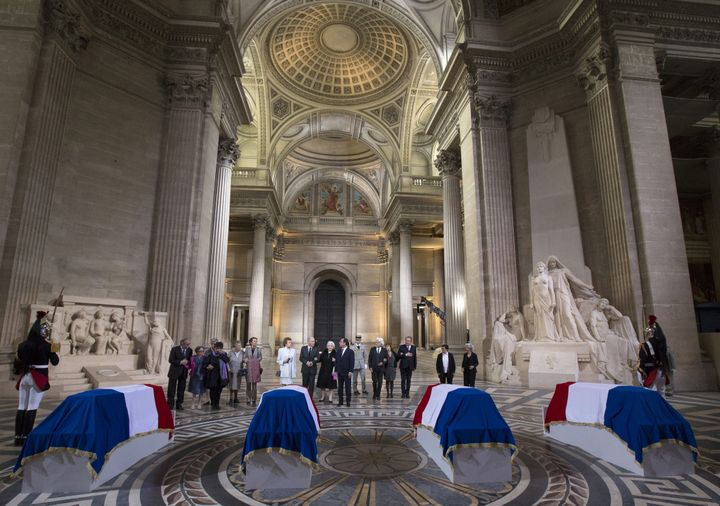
(329, 313)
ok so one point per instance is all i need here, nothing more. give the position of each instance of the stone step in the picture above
(69, 381)
(61, 376)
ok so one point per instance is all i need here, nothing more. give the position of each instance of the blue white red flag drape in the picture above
(95, 422)
(638, 416)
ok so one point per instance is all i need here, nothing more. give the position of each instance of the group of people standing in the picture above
(332, 369)
(445, 365)
(210, 369)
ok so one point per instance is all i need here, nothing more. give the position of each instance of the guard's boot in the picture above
(19, 419)
(28, 423)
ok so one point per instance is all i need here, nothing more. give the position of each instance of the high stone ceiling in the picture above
(339, 52)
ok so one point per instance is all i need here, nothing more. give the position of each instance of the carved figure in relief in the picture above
(118, 335)
(502, 349)
(516, 323)
(542, 299)
(158, 346)
(619, 353)
(568, 320)
(81, 340)
(99, 331)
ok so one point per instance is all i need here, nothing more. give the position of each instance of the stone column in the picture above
(662, 257)
(183, 209)
(448, 166)
(257, 283)
(22, 258)
(621, 285)
(228, 154)
(438, 296)
(394, 335)
(406, 282)
(496, 204)
(712, 208)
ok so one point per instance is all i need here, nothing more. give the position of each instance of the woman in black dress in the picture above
(469, 366)
(390, 370)
(327, 382)
(216, 373)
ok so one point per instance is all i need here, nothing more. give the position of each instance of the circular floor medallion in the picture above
(373, 461)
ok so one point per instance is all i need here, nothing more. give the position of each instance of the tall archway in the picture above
(329, 317)
(345, 279)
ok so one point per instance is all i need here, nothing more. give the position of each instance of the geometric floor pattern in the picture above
(368, 456)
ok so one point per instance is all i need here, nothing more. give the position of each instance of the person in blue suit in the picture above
(344, 365)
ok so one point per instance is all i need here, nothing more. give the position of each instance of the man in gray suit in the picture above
(309, 360)
(360, 360)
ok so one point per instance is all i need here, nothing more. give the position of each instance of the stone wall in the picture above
(98, 241)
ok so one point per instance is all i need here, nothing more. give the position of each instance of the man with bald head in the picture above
(309, 360)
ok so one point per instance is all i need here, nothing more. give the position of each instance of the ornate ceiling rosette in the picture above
(339, 53)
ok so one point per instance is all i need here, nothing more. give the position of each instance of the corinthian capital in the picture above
(228, 153)
(593, 72)
(261, 221)
(65, 23)
(187, 89)
(447, 163)
(405, 226)
(492, 108)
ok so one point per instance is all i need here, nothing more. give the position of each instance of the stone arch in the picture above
(347, 279)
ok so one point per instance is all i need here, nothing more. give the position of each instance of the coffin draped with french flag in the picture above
(95, 422)
(641, 418)
(463, 417)
(286, 421)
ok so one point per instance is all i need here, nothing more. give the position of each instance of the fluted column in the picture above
(406, 281)
(712, 208)
(662, 257)
(448, 166)
(394, 240)
(257, 283)
(183, 209)
(438, 296)
(21, 265)
(622, 283)
(501, 284)
(228, 154)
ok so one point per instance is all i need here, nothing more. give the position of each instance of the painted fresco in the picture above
(332, 199)
(360, 205)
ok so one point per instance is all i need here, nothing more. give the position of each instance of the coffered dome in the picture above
(338, 52)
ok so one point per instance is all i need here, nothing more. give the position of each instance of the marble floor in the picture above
(368, 456)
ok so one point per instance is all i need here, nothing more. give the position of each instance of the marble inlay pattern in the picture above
(368, 455)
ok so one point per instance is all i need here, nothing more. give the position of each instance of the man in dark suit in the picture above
(344, 365)
(309, 359)
(407, 354)
(377, 361)
(445, 365)
(178, 373)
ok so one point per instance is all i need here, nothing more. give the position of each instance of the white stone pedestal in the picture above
(470, 465)
(64, 472)
(548, 367)
(270, 471)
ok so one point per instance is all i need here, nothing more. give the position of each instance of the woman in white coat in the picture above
(286, 361)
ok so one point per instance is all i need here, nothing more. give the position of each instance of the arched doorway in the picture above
(329, 312)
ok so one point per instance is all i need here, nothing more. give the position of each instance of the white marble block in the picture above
(548, 367)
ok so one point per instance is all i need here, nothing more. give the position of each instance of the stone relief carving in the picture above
(566, 309)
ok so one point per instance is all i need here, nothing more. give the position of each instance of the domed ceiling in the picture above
(338, 52)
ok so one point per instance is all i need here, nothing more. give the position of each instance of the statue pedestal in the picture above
(545, 364)
(549, 367)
